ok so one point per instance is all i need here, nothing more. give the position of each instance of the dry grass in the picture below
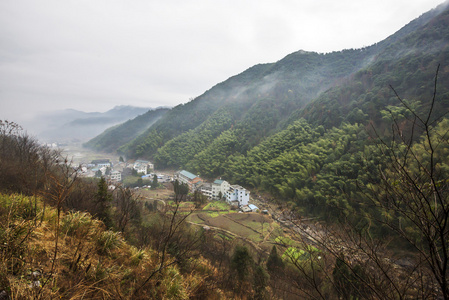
(91, 262)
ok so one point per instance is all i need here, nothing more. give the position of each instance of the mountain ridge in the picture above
(71, 124)
(351, 85)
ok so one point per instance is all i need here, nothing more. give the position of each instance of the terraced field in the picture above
(256, 228)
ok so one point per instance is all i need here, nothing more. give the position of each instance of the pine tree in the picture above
(274, 261)
(103, 199)
(241, 262)
(155, 184)
(260, 281)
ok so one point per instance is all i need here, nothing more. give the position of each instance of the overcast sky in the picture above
(91, 55)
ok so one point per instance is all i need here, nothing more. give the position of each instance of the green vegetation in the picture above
(324, 134)
(135, 181)
(88, 262)
(328, 95)
(294, 255)
(217, 205)
(113, 138)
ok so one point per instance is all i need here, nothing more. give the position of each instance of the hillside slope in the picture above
(349, 86)
(276, 89)
(68, 125)
(74, 256)
(123, 133)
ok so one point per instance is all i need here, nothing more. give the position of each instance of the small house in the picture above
(99, 163)
(246, 209)
(253, 207)
(142, 166)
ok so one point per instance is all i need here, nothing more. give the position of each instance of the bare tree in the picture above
(59, 184)
(414, 192)
(172, 233)
(127, 208)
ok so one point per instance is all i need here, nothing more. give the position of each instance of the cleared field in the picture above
(256, 227)
(79, 154)
(217, 205)
(196, 218)
(162, 194)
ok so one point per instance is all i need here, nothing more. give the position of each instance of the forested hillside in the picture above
(261, 97)
(114, 137)
(348, 150)
(408, 65)
(207, 134)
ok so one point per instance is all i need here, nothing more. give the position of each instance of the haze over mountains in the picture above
(73, 125)
(344, 155)
(350, 86)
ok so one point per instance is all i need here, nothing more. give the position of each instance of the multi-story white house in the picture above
(219, 186)
(116, 176)
(206, 190)
(238, 194)
(141, 166)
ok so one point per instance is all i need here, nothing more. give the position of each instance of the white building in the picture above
(206, 190)
(141, 166)
(101, 163)
(253, 207)
(101, 169)
(116, 176)
(219, 186)
(237, 193)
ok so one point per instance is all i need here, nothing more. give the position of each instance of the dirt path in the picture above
(268, 234)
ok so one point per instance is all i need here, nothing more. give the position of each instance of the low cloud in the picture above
(93, 55)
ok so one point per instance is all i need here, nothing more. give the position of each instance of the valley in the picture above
(317, 176)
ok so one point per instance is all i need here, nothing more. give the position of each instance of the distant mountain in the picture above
(70, 125)
(226, 123)
(111, 139)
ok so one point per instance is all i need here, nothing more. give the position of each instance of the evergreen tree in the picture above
(199, 198)
(241, 262)
(139, 182)
(342, 275)
(274, 261)
(155, 184)
(103, 199)
(259, 283)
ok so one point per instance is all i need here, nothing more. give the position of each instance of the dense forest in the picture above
(277, 126)
(383, 233)
(123, 133)
(355, 140)
(329, 90)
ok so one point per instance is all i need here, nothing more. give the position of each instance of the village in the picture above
(229, 209)
(140, 174)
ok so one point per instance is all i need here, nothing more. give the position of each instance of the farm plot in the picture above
(255, 227)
